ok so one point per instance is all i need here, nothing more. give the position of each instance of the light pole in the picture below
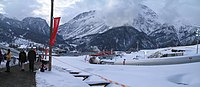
(51, 26)
(197, 35)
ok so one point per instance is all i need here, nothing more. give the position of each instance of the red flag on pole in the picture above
(55, 29)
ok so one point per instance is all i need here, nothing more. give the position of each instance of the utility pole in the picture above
(51, 30)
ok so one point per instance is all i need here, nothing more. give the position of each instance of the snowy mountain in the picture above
(89, 29)
(32, 29)
(117, 38)
(187, 34)
(166, 36)
(83, 24)
(37, 25)
(146, 20)
(88, 25)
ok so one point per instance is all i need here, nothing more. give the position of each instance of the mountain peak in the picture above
(147, 12)
(83, 24)
(36, 24)
(84, 14)
(33, 19)
(90, 23)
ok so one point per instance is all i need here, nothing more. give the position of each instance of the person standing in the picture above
(22, 59)
(31, 59)
(124, 62)
(1, 56)
(8, 57)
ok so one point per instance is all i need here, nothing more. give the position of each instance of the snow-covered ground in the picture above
(176, 75)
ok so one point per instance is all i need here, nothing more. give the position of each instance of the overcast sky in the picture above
(170, 11)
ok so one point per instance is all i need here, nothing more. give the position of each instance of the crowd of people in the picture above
(23, 57)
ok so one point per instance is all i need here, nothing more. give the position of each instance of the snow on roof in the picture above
(23, 46)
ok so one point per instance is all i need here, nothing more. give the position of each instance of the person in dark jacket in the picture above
(1, 56)
(22, 59)
(31, 59)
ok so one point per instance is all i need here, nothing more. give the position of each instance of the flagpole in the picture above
(51, 26)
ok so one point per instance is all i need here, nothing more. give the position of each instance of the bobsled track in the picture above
(161, 61)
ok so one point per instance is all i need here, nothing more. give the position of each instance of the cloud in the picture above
(59, 7)
(169, 13)
(37, 8)
(114, 12)
(82, 6)
(120, 12)
(1, 9)
(18, 8)
(184, 11)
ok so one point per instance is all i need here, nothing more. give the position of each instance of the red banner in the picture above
(55, 29)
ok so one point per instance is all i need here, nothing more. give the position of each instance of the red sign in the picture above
(55, 29)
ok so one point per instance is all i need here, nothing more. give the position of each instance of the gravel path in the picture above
(17, 78)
